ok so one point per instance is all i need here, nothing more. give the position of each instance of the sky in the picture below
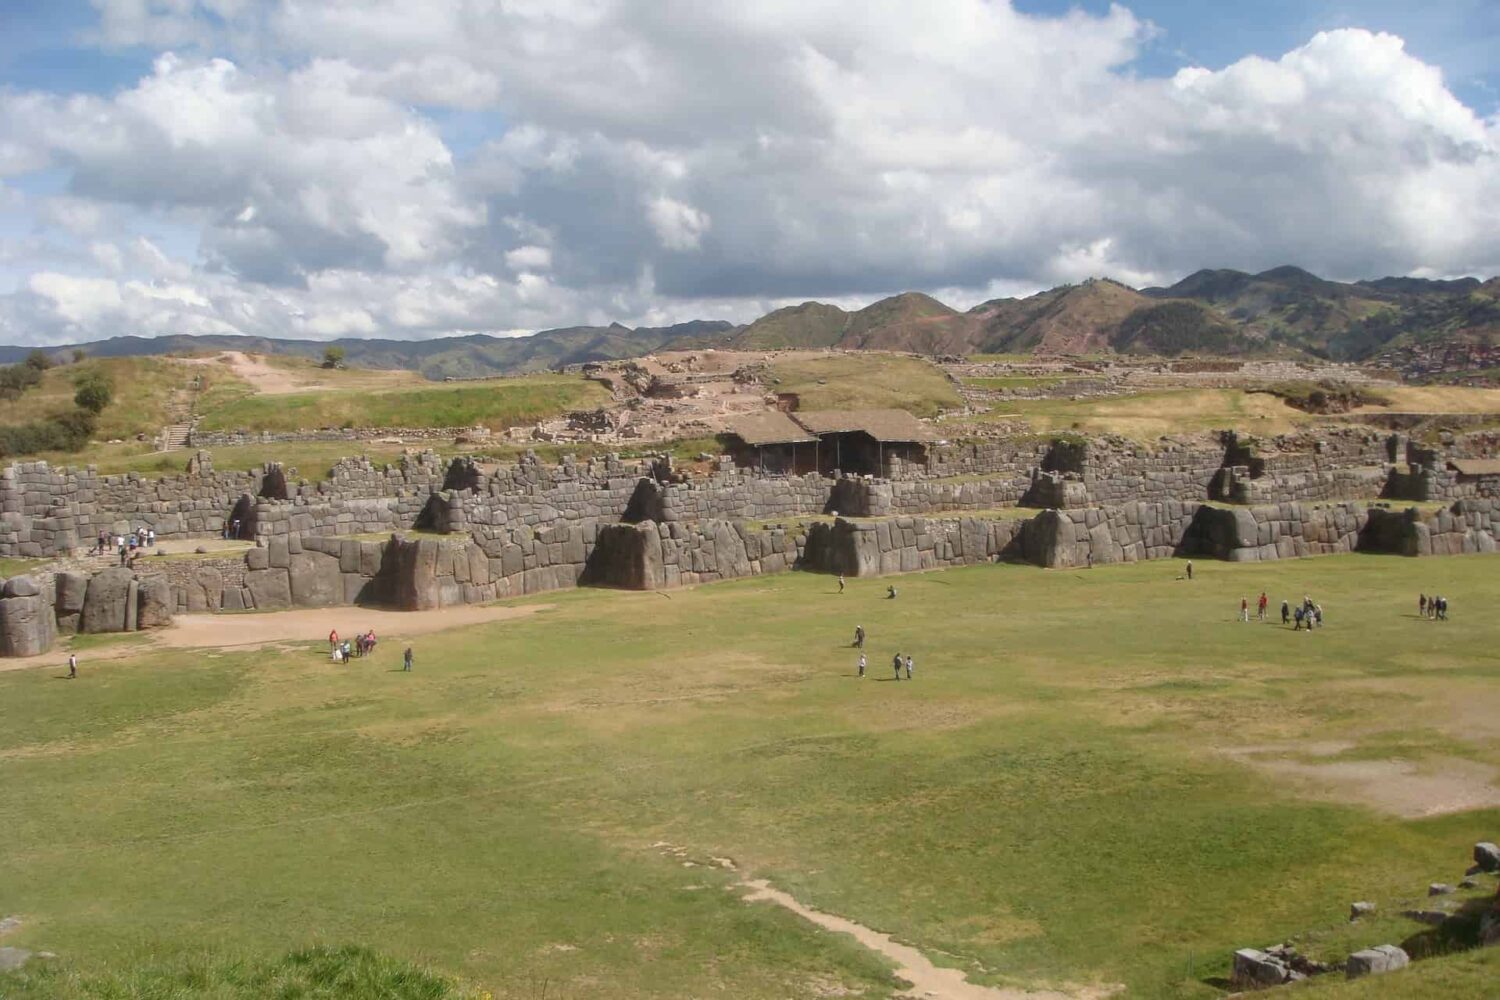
(383, 168)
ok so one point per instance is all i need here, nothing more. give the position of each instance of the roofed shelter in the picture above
(868, 442)
(771, 442)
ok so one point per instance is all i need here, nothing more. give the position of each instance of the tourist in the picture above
(859, 637)
(333, 639)
(1261, 607)
(1317, 615)
(1442, 607)
(345, 650)
(1300, 614)
(72, 665)
(1286, 612)
(150, 538)
(908, 666)
(370, 641)
(841, 583)
(1190, 569)
(890, 592)
(235, 528)
(406, 660)
(1244, 609)
(122, 552)
(897, 664)
(1422, 606)
(861, 664)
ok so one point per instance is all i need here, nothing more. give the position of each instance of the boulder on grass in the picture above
(1255, 968)
(1487, 857)
(1374, 961)
(154, 603)
(104, 604)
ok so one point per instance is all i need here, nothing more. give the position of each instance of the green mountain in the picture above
(810, 325)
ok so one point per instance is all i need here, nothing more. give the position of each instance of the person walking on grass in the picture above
(1286, 613)
(406, 660)
(1422, 606)
(908, 666)
(333, 639)
(897, 664)
(1190, 569)
(72, 665)
(861, 664)
(841, 583)
(1261, 607)
(1244, 609)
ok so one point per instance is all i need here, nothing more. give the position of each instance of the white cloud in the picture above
(657, 159)
(678, 226)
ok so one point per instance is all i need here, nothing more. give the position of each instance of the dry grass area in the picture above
(867, 380)
(1148, 415)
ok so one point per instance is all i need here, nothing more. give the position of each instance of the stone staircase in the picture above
(174, 437)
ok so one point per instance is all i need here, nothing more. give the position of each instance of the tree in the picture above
(79, 354)
(38, 360)
(94, 393)
(333, 356)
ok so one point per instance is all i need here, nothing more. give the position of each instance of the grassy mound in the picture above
(498, 404)
(322, 973)
(865, 381)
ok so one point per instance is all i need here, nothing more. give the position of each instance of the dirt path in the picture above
(254, 631)
(927, 980)
(263, 377)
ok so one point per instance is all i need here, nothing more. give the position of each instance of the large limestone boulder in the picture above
(106, 602)
(153, 603)
(205, 592)
(27, 622)
(70, 589)
(315, 580)
(1374, 961)
(1254, 968)
(270, 589)
(1487, 857)
(408, 578)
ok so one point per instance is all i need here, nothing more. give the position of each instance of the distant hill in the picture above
(810, 325)
(1071, 319)
(459, 357)
(1285, 311)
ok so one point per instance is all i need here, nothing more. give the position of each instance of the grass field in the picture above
(1097, 778)
(866, 381)
(496, 404)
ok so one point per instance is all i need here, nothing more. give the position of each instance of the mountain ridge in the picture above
(1282, 311)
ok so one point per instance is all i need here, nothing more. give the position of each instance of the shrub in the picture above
(333, 357)
(94, 392)
(16, 379)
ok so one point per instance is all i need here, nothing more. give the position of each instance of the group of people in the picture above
(1307, 613)
(363, 645)
(126, 545)
(231, 529)
(897, 661)
(1433, 607)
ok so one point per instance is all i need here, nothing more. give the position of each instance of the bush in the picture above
(16, 379)
(38, 360)
(94, 392)
(67, 432)
(333, 357)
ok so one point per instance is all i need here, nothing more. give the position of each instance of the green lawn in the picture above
(1054, 800)
(496, 404)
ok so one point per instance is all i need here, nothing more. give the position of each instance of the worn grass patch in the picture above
(1050, 801)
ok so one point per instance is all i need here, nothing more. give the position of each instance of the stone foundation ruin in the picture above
(516, 529)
